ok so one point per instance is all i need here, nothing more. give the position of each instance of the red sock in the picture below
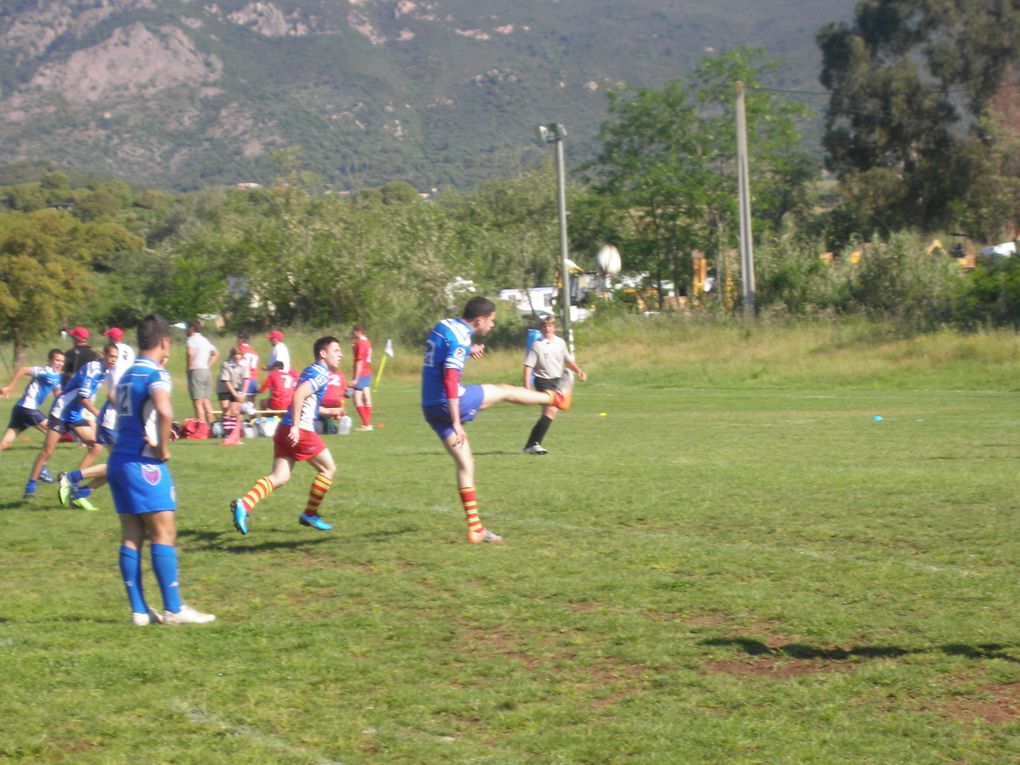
(468, 497)
(365, 412)
(319, 488)
(257, 493)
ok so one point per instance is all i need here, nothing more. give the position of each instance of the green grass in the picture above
(721, 569)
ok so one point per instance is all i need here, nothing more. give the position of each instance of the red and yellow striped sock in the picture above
(320, 486)
(468, 497)
(262, 489)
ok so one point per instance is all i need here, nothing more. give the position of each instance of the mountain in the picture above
(184, 93)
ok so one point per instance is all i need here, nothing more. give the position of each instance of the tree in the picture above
(668, 161)
(895, 77)
(41, 275)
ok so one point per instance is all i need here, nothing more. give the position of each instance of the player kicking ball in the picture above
(447, 405)
(295, 440)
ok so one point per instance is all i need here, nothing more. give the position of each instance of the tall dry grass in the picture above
(669, 351)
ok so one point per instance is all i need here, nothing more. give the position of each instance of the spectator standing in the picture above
(201, 355)
(278, 352)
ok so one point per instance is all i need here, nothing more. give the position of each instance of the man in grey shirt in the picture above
(547, 362)
(201, 355)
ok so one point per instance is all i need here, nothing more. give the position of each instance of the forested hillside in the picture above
(443, 93)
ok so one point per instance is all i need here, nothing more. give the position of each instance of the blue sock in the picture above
(164, 565)
(131, 573)
(74, 476)
(80, 492)
(30, 486)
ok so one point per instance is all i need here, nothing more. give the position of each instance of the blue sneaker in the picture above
(240, 515)
(45, 477)
(29, 489)
(314, 521)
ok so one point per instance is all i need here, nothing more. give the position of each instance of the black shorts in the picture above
(23, 419)
(561, 384)
(57, 424)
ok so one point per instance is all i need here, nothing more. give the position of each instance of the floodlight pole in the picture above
(744, 185)
(554, 133)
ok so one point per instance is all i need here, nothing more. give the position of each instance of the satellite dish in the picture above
(608, 260)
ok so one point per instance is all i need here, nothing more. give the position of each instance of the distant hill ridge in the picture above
(183, 94)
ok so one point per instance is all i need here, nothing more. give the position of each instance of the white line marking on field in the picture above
(202, 717)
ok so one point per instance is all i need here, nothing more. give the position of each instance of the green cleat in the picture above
(84, 504)
(64, 489)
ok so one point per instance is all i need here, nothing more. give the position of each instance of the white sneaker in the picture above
(484, 535)
(365, 429)
(535, 449)
(187, 615)
(152, 616)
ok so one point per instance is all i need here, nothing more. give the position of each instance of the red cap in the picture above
(79, 332)
(275, 335)
(114, 333)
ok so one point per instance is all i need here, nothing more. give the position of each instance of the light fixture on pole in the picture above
(554, 133)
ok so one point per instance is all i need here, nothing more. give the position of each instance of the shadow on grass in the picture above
(800, 651)
(224, 541)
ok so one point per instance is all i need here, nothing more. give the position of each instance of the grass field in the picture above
(724, 559)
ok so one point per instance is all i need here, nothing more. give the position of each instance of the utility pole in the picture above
(554, 133)
(744, 186)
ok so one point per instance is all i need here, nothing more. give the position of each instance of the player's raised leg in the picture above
(242, 507)
(515, 394)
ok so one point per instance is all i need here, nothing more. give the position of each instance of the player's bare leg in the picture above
(464, 459)
(325, 470)
(241, 508)
(515, 394)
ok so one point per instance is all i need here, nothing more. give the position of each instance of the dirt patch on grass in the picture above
(999, 705)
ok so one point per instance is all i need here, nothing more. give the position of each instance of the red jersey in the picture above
(362, 349)
(250, 361)
(281, 387)
(334, 395)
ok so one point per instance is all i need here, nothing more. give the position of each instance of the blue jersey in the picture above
(448, 347)
(317, 376)
(83, 384)
(44, 381)
(136, 414)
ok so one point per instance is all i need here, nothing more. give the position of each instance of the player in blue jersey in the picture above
(68, 489)
(140, 481)
(295, 440)
(447, 405)
(75, 411)
(27, 413)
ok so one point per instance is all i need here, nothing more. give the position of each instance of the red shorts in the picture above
(309, 444)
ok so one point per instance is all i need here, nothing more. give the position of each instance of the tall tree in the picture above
(668, 161)
(901, 77)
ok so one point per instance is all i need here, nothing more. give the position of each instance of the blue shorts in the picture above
(438, 415)
(140, 485)
(365, 381)
(23, 419)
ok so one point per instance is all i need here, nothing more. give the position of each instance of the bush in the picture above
(991, 296)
